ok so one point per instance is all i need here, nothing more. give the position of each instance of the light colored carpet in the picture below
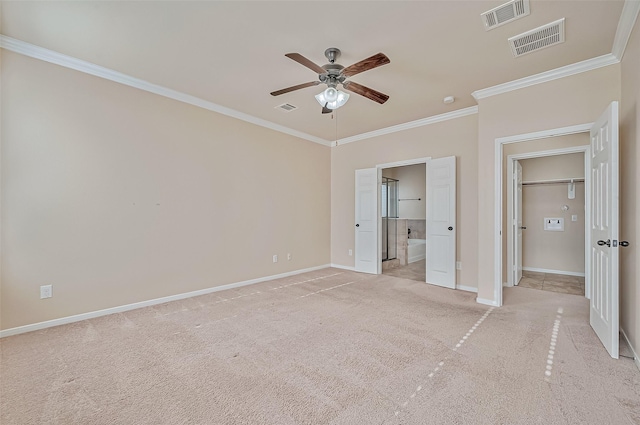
(326, 347)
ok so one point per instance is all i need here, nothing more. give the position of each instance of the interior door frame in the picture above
(585, 149)
(380, 167)
(497, 189)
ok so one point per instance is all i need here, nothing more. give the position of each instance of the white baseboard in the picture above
(338, 266)
(636, 359)
(416, 258)
(535, 269)
(127, 307)
(486, 302)
(467, 288)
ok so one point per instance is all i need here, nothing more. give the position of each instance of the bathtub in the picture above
(416, 250)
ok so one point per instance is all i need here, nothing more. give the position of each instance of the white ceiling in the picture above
(232, 53)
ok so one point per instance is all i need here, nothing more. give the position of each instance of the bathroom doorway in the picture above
(403, 213)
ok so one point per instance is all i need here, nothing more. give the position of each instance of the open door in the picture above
(367, 220)
(515, 226)
(604, 303)
(441, 222)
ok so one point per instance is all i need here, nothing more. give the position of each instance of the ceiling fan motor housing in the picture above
(332, 53)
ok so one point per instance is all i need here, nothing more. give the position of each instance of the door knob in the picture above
(523, 227)
(607, 243)
(624, 243)
(357, 225)
(450, 228)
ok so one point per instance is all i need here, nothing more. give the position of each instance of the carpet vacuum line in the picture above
(552, 345)
(441, 364)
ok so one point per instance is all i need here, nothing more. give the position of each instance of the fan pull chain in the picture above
(336, 126)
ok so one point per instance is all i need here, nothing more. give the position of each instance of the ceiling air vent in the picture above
(539, 38)
(287, 107)
(506, 13)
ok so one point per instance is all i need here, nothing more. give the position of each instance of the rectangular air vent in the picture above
(505, 13)
(287, 107)
(539, 38)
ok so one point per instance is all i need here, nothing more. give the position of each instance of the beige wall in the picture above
(455, 137)
(115, 195)
(573, 100)
(412, 185)
(554, 167)
(542, 249)
(630, 190)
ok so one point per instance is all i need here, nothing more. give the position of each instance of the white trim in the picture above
(467, 288)
(404, 163)
(141, 304)
(408, 125)
(497, 191)
(562, 131)
(535, 269)
(636, 358)
(56, 58)
(544, 77)
(339, 266)
(487, 302)
(627, 20)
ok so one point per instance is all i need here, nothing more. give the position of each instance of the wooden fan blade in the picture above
(367, 92)
(306, 62)
(366, 64)
(292, 88)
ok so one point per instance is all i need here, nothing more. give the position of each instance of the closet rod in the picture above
(559, 181)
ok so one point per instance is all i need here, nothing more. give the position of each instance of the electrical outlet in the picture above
(289, 257)
(458, 265)
(350, 252)
(46, 291)
(275, 258)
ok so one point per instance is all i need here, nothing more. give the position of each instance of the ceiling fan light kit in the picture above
(333, 74)
(332, 98)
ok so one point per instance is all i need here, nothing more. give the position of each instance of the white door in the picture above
(367, 220)
(441, 222)
(517, 214)
(604, 303)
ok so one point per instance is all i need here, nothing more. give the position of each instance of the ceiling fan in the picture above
(333, 74)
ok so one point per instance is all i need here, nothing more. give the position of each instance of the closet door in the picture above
(604, 303)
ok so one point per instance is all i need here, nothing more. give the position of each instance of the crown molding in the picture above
(543, 77)
(627, 20)
(408, 125)
(70, 62)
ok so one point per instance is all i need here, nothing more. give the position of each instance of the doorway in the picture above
(441, 226)
(546, 224)
(403, 215)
